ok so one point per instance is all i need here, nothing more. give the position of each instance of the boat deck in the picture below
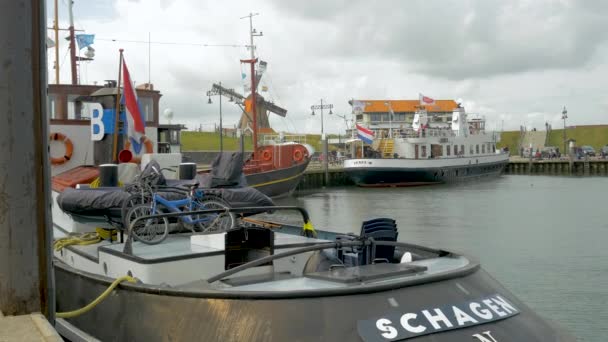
(180, 245)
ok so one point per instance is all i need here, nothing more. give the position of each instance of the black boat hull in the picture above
(279, 182)
(379, 176)
(137, 313)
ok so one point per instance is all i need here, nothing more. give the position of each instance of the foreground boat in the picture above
(430, 153)
(254, 283)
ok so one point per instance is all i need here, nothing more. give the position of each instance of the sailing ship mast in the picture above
(72, 42)
(252, 61)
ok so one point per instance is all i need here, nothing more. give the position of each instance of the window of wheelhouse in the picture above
(146, 104)
(476, 149)
(462, 149)
(423, 151)
(483, 148)
(493, 148)
(51, 105)
(447, 150)
(471, 151)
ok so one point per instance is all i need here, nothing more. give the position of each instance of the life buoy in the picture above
(266, 155)
(69, 148)
(298, 155)
(149, 148)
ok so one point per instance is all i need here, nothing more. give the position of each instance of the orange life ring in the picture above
(149, 149)
(266, 155)
(298, 155)
(69, 148)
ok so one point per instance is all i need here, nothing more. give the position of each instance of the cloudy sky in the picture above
(516, 62)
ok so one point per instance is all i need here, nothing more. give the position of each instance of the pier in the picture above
(591, 167)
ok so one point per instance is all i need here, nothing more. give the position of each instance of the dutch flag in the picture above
(365, 134)
(136, 127)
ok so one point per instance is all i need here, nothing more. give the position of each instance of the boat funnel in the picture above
(125, 156)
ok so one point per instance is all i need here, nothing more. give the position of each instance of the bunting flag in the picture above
(358, 106)
(84, 40)
(425, 100)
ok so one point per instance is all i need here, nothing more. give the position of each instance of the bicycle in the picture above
(155, 230)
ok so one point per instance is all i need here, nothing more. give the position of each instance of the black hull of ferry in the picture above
(277, 183)
(136, 313)
(394, 177)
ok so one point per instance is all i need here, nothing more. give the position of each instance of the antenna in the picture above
(252, 33)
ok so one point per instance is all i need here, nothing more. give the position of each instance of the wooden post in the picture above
(26, 277)
(117, 113)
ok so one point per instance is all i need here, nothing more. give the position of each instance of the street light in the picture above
(218, 91)
(564, 117)
(324, 140)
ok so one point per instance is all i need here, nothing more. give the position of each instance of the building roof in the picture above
(379, 106)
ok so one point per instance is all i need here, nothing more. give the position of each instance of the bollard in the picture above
(108, 175)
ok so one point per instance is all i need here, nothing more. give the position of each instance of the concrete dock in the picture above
(33, 327)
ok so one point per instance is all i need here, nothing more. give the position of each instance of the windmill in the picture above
(263, 107)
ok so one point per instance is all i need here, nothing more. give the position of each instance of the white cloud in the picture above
(505, 59)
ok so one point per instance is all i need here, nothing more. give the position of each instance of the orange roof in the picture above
(379, 106)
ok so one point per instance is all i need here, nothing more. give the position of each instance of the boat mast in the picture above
(252, 61)
(72, 44)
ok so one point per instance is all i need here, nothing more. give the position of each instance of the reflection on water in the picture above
(543, 237)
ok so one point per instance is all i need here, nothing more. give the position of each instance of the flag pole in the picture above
(117, 112)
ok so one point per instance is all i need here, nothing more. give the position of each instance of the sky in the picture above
(516, 62)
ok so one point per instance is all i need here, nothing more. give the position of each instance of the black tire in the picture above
(129, 203)
(151, 231)
(214, 223)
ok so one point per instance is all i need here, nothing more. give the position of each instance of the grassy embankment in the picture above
(596, 136)
(210, 141)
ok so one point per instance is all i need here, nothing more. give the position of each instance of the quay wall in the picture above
(559, 167)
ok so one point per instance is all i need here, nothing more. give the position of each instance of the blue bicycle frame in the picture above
(174, 206)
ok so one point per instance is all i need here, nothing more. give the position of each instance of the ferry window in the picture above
(399, 117)
(147, 107)
(483, 148)
(493, 148)
(455, 150)
(489, 147)
(447, 150)
(423, 152)
(476, 149)
(471, 149)
(462, 149)
(359, 117)
(375, 117)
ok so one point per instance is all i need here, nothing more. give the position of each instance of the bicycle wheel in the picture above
(213, 222)
(150, 231)
(130, 202)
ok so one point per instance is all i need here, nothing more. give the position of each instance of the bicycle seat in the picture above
(191, 185)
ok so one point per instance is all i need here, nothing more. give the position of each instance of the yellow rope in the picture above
(98, 300)
(309, 230)
(80, 239)
(97, 182)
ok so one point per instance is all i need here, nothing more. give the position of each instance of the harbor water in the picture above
(543, 237)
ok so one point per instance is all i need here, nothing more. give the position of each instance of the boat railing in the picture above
(273, 139)
(428, 132)
(366, 242)
(307, 229)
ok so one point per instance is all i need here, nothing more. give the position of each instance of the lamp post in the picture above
(323, 138)
(213, 92)
(564, 117)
